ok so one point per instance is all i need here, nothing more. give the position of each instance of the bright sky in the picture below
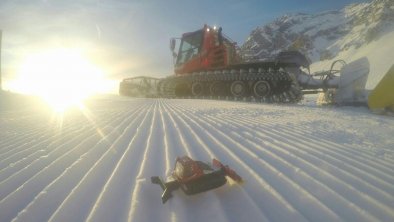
(126, 38)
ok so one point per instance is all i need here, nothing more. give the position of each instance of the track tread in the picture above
(285, 89)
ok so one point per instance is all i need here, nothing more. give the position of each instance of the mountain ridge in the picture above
(322, 36)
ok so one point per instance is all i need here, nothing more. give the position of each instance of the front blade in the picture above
(351, 88)
(382, 97)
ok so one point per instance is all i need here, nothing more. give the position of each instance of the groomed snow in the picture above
(299, 162)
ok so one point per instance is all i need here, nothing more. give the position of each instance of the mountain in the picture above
(364, 29)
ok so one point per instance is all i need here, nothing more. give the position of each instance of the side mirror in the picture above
(172, 47)
(172, 44)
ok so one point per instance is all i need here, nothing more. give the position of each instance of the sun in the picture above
(62, 77)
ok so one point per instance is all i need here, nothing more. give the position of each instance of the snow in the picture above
(299, 162)
(380, 54)
(326, 34)
(312, 24)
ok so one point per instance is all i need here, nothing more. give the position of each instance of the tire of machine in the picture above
(197, 89)
(238, 88)
(216, 88)
(261, 89)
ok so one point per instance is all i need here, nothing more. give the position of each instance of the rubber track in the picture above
(291, 93)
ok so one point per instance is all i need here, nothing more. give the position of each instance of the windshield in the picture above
(190, 47)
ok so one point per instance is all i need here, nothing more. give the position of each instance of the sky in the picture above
(127, 38)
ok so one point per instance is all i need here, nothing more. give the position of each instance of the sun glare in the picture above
(62, 77)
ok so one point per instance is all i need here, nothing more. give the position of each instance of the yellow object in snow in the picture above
(382, 97)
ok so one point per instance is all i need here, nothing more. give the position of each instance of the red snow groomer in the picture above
(195, 177)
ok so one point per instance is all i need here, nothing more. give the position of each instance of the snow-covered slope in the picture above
(364, 29)
(380, 55)
(322, 36)
(299, 162)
